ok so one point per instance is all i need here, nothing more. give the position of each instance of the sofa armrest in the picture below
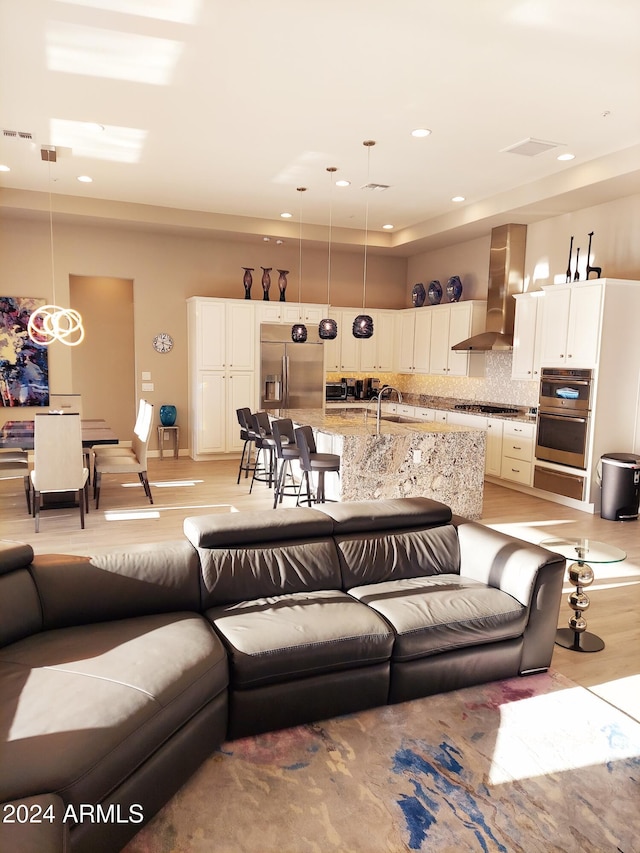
(531, 574)
(502, 561)
(34, 825)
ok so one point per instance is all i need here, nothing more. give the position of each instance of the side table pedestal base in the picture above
(584, 642)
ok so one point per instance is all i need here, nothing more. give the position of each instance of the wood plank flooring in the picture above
(182, 488)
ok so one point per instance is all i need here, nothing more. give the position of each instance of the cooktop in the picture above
(487, 409)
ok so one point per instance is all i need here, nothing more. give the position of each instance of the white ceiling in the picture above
(214, 111)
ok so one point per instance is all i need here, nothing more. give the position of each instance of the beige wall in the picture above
(165, 270)
(615, 248)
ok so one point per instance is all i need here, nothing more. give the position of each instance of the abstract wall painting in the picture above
(24, 365)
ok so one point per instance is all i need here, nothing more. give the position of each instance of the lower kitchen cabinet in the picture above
(518, 441)
(493, 453)
(217, 395)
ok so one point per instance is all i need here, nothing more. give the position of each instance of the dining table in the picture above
(19, 434)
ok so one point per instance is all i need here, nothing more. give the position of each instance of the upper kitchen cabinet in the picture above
(342, 354)
(571, 324)
(527, 335)
(413, 336)
(223, 333)
(451, 324)
(289, 312)
(376, 353)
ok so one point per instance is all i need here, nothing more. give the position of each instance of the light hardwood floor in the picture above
(182, 488)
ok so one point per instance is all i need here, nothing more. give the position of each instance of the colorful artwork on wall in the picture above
(24, 365)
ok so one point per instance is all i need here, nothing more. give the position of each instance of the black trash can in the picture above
(620, 480)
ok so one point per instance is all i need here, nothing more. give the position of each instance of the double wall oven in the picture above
(564, 410)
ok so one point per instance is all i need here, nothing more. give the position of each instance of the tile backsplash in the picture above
(496, 386)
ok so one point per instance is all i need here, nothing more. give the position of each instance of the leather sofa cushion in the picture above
(390, 514)
(20, 610)
(443, 612)
(393, 555)
(117, 583)
(83, 707)
(246, 528)
(288, 637)
(245, 573)
(14, 555)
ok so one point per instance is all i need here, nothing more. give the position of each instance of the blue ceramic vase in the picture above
(168, 415)
(435, 292)
(454, 288)
(418, 295)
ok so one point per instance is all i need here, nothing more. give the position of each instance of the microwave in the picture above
(335, 391)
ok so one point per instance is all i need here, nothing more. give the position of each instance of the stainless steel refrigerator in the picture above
(291, 375)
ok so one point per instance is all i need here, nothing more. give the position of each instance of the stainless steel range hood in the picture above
(506, 277)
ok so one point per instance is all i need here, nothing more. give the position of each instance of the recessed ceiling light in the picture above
(458, 198)
(343, 183)
(85, 179)
(4, 168)
(566, 156)
(286, 215)
(420, 132)
(387, 227)
(279, 242)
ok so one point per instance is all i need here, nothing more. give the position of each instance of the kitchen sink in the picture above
(400, 419)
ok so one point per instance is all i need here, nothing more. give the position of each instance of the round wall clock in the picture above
(163, 342)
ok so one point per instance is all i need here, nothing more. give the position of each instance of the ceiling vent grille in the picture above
(530, 147)
(18, 134)
(376, 187)
(48, 153)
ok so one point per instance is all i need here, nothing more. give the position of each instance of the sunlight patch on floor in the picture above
(137, 514)
(559, 732)
(624, 693)
(528, 530)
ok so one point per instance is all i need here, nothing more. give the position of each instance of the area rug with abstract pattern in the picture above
(517, 766)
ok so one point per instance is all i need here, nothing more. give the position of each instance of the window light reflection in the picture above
(178, 11)
(75, 49)
(120, 144)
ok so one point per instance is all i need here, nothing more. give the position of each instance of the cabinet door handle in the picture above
(515, 447)
(570, 355)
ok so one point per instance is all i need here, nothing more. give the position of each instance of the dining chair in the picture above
(134, 462)
(312, 462)
(14, 464)
(104, 450)
(58, 464)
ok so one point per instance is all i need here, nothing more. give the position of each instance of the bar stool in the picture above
(248, 436)
(311, 461)
(286, 451)
(263, 470)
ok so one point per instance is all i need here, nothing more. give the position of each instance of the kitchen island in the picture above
(407, 459)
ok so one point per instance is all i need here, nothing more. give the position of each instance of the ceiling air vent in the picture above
(18, 134)
(530, 147)
(376, 187)
(48, 153)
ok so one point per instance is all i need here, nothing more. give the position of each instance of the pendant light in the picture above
(50, 322)
(328, 328)
(299, 330)
(363, 323)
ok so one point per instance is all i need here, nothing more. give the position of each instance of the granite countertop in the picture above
(445, 404)
(352, 422)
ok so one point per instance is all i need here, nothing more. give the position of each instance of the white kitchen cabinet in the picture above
(221, 372)
(413, 331)
(465, 419)
(376, 352)
(451, 324)
(518, 442)
(571, 325)
(306, 312)
(493, 452)
(527, 335)
(424, 414)
(349, 349)
(222, 334)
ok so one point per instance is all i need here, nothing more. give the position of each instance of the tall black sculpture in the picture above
(568, 279)
(590, 269)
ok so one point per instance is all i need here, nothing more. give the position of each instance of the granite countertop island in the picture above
(407, 459)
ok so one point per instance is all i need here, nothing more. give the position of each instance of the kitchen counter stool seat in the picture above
(264, 468)
(286, 451)
(248, 436)
(312, 462)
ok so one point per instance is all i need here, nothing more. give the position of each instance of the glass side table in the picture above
(576, 636)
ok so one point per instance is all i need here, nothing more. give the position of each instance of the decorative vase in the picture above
(247, 281)
(266, 282)
(418, 295)
(454, 288)
(168, 415)
(435, 292)
(282, 284)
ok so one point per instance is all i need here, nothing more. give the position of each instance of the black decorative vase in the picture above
(247, 281)
(454, 288)
(282, 284)
(266, 282)
(418, 295)
(435, 292)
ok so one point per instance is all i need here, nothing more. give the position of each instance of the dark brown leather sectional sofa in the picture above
(121, 672)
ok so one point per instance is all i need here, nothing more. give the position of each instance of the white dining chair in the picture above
(134, 462)
(14, 465)
(58, 461)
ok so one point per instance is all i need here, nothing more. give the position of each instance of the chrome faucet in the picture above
(387, 388)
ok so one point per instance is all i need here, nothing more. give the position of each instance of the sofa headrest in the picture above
(392, 514)
(239, 529)
(14, 555)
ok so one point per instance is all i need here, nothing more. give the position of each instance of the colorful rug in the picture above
(516, 766)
